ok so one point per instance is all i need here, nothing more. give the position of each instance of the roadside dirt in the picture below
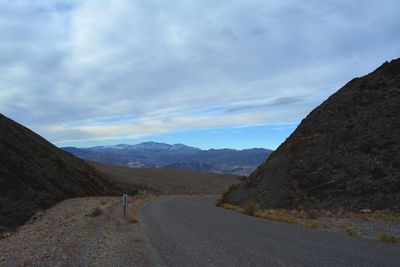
(78, 232)
(381, 225)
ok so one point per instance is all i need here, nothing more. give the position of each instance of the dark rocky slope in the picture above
(345, 153)
(34, 174)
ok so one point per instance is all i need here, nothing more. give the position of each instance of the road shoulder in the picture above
(77, 232)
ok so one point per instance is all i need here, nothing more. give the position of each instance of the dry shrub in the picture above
(277, 215)
(250, 208)
(353, 216)
(231, 207)
(284, 219)
(96, 212)
(388, 238)
(132, 219)
(339, 213)
(388, 217)
(352, 232)
(312, 214)
(328, 213)
(313, 224)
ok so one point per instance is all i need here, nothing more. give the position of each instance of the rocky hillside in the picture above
(34, 174)
(345, 153)
(178, 156)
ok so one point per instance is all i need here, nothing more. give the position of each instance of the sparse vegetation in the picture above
(351, 223)
(277, 215)
(352, 232)
(312, 214)
(132, 219)
(388, 217)
(231, 207)
(353, 216)
(250, 208)
(165, 181)
(224, 198)
(243, 178)
(132, 213)
(96, 212)
(388, 238)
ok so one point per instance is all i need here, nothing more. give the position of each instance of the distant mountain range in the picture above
(160, 155)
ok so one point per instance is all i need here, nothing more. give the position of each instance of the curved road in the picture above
(192, 231)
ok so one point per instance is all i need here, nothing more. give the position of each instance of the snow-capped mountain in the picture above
(146, 146)
(152, 154)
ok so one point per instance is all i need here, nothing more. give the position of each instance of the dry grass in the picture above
(132, 219)
(388, 238)
(312, 214)
(354, 216)
(250, 208)
(134, 203)
(352, 232)
(351, 223)
(314, 224)
(388, 217)
(277, 215)
(231, 207)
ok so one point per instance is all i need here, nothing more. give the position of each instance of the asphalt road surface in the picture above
(192, 231)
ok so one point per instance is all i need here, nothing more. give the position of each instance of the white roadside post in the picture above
(144, 194)
(125, 202)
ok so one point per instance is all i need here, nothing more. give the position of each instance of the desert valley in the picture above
(199, 133)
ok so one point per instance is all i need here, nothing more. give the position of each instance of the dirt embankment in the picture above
(77, 232)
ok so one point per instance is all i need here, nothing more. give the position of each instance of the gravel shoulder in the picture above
(77, 232)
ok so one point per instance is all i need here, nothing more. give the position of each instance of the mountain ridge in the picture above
(153, 154)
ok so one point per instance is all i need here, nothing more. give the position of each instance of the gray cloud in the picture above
(280, 102)
(84, 69)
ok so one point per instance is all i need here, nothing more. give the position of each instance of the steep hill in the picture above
(345, 153)
(179, 156)
(35, 174)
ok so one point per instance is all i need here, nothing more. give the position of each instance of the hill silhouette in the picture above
(35, 174)
(344, 154)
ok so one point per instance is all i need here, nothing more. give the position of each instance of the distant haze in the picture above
(235, 74)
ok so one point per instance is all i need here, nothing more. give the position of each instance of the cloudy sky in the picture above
(206, 73)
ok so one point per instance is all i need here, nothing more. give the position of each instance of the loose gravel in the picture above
(72, 234)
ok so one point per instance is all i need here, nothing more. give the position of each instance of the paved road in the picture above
(191, 231)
